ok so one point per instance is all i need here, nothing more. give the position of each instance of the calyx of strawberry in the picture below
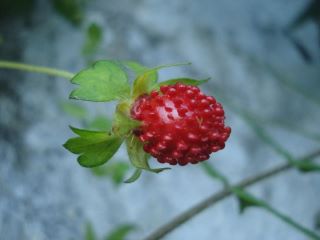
(173, 121)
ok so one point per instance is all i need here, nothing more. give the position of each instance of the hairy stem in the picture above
(217, 197)
(35, 69)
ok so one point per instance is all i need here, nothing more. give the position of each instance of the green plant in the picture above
(88, 144)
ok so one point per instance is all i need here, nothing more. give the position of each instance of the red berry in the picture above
(180, 124)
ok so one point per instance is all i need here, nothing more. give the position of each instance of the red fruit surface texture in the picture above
(180, 124)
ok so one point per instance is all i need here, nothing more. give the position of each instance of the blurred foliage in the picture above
(285, 79)
(72, 10)
(317, 221)
(10, 8)
(78, 111)
(115, 171)
(93, 40)
(310, 13)
(247, 200)
(90, 234)
(303, 166)
(74, 110)
(119, 233)
(100, 122)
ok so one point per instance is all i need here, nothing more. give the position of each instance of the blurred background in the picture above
(263, 58)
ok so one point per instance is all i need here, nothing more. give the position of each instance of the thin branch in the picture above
(35, 69)
(217, 197)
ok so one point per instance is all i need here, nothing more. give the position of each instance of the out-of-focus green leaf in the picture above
(72, 10)
(307, 166)
(100, 123)
(134, 176)
(248, 200)
(115, 171)
(74, 110)
(94, 148)
(138, 157)
(121, 232)
(285, 79)
(93, 39)
(245, 199)
(102, 82)
(90, 234)
(311, 12)
(303, 166)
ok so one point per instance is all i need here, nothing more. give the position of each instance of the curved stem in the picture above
(36, 69)
(217, 197)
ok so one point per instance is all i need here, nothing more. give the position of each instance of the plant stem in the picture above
(217, 197)
(35, 69)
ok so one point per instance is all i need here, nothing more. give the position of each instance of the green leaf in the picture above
(90, 234)
(215, 174)
(74, 110)
(72, 10)
(100, 123)
(103, 81)
(187, 81)
(306, 166)
(120, 233)
(248, 200)
(94, 148)
(122, 123)
(245, 199)
(134, 177)
(138, 157)
(93, 39)
(115, 171)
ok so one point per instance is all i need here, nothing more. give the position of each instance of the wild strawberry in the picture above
(180, 124)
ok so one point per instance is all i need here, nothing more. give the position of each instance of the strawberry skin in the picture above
(180, 124)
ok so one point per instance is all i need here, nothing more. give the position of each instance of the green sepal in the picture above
(187, 81)
(123, 124)
(145, 78)
(93, 147)
(134, 176)
(102, 82)
(138, 157)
